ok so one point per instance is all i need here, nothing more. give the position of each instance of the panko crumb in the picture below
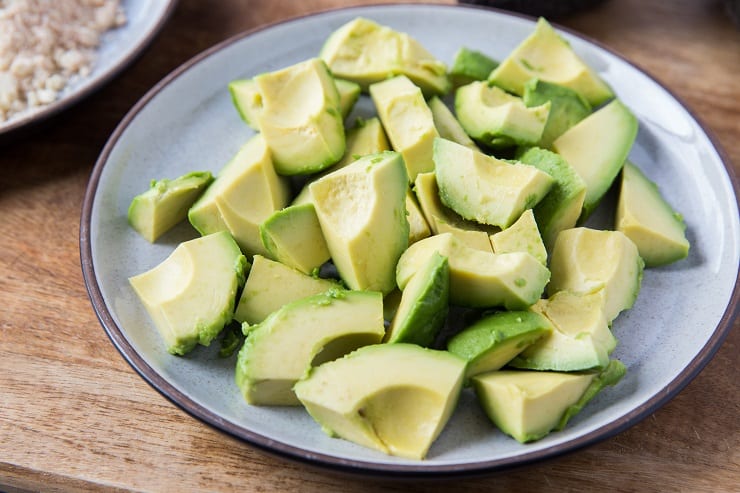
(45, 45)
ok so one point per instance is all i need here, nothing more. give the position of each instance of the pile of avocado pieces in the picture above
(415, 214)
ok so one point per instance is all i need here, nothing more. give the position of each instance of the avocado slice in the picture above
(474, 238)
(301, 119)
(395, 398)
(497, 119)
(366, 137)
(282, 348)
(522, 236)
(271, 285)
(245, 192)
(447, 125)
(597, 147)
(362, 213)
(648, 220)
(166, 203)
(567, 107)
(547, 56)
(293, 236)
(469, 66)
(562, 206)
(423, 308)
(528, 405)
(408, 122)
(484, 189)
(366, 52)
(190, 295)
(496, 339)
(478, 279)
(418, 226)
(349, 92)
(580, 339)
(587, 261)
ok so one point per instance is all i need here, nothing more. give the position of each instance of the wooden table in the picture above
(75, 416)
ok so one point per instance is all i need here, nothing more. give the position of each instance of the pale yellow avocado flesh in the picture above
(580, 339)
(545, 55)
(442, 219)
(301, 119)
(166, 203)
(447, 125)
(362, 212)
(597, 147)
(586, 261)
(245, 193)
(526, 404)
(366, 137)
(293, 236)
(408, 122)
(492, 116)
(645, 217)
(418, 227)
(522, 236)
(306, 332)
(271, 285)
(484, 189)
(365, 52)
(190, 295)
(395, 398)
(478, 278)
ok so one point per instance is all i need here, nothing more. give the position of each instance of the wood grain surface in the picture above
(74, 416)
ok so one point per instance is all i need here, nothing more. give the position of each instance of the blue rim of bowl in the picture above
(16, 125)
(354, 466)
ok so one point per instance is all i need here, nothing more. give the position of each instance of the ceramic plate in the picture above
(187, 122)
(118, 48)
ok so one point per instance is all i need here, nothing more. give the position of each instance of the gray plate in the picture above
(187, 122)
(118, 48)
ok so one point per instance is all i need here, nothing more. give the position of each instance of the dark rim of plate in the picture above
(339, 464)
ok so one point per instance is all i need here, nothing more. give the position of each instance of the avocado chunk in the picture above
(649, 221)
(442, 219)
(408, 122)
(306, 332)
(423, 308)
(497, 119)
(597, 147)
(478, 279)
(395, 398)
(166, 203)
(528, 405)
(190, 295)
(271, 285)
(362, 213)
(547, 56)
(365, 52)
(587, 261)
(245, 192)
(447, 125)
(484, 189)
(366, 137)
(301, 119)
(561, 207)
(248, 101)
(567, 107)
(418, 226)
(469, 66)
(522, 236)
(580, 339)
(496, 339)
(293, 236)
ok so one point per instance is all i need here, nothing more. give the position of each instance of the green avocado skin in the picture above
(567, 107)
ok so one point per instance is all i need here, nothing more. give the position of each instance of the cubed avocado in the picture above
(447, 125)
(301, 119)
(282, 348)
(567, 107)
(395, 398)
(166, 203)
(645, 217)
(484, 189)
(190, 295)
(522, 236)
(547, 56)
(469, 66)
(365, 52)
